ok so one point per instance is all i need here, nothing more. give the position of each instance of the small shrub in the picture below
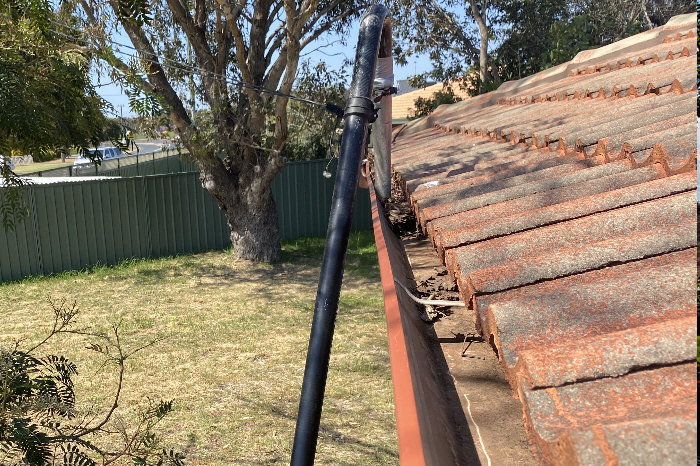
(427, 106)
(39, 424)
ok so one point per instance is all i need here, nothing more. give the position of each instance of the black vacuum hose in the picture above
(359, 112)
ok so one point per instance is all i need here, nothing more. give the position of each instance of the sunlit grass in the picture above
(233, 350)
(40, 166)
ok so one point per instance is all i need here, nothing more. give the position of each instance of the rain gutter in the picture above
(426, 428)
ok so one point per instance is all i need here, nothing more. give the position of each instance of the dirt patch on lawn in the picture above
(493, 415)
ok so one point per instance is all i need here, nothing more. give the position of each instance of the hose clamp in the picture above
(361, 106)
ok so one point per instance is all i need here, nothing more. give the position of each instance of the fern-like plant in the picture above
(38, 422)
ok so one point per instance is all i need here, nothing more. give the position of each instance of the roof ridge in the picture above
(600, 93)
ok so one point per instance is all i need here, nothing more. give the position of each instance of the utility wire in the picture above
(428, 302)
(173, 64)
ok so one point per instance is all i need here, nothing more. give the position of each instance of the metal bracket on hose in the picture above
(386, 91)
(361, 106)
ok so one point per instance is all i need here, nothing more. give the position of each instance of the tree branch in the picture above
(232, 16)
(458, 30)
(155, 73)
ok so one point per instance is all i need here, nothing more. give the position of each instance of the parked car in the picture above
(105, 153)
(4, 160)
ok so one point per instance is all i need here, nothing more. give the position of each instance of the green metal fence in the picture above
(79, 224)
(146, 166)
(166, 161)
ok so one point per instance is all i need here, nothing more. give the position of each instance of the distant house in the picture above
(403, 103)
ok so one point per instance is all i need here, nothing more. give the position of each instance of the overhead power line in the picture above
(169, 63)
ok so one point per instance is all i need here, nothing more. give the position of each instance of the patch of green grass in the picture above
(234, 340)
(361, 257)
(41, 166)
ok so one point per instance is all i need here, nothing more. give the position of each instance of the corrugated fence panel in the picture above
(182, 217)
(19, 254)
(146, 166)
(75, 225)
(303, 197)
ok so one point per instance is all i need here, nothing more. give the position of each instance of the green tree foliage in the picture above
(47, 102)
(426, 106)
(524, 48)
(312, 129)
(39, 421)
(46, 99)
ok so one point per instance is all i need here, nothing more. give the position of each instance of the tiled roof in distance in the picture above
(564, 206)
(404, 105)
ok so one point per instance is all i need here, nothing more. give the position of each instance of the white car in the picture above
(105, 152)
(7, 161)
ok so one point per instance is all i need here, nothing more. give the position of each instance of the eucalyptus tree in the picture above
(239, 48)
(455, 34)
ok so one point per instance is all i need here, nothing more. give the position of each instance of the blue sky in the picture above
(327, 49)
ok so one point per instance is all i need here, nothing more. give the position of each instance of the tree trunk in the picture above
(479, 15)
(255, 232)
(483, 57)
(249, 209)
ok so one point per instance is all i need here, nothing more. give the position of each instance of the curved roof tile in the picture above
(564, 205)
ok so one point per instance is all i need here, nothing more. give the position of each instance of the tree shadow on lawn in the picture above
(361, 257)
(301, 257)
(376, 452)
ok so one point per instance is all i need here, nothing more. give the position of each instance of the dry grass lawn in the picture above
(232, 358)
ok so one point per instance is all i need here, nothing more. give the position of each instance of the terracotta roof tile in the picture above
(609, 421)
(494, 221)
(453, 203)
(602, 301)
(578, 360)
(564, 205)
(580, 237)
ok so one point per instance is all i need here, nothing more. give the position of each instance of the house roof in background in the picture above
(403, 105)
(564, 204)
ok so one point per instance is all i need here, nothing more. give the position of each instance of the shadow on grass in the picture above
(361, 257)
(377, 452)
(300, 257)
